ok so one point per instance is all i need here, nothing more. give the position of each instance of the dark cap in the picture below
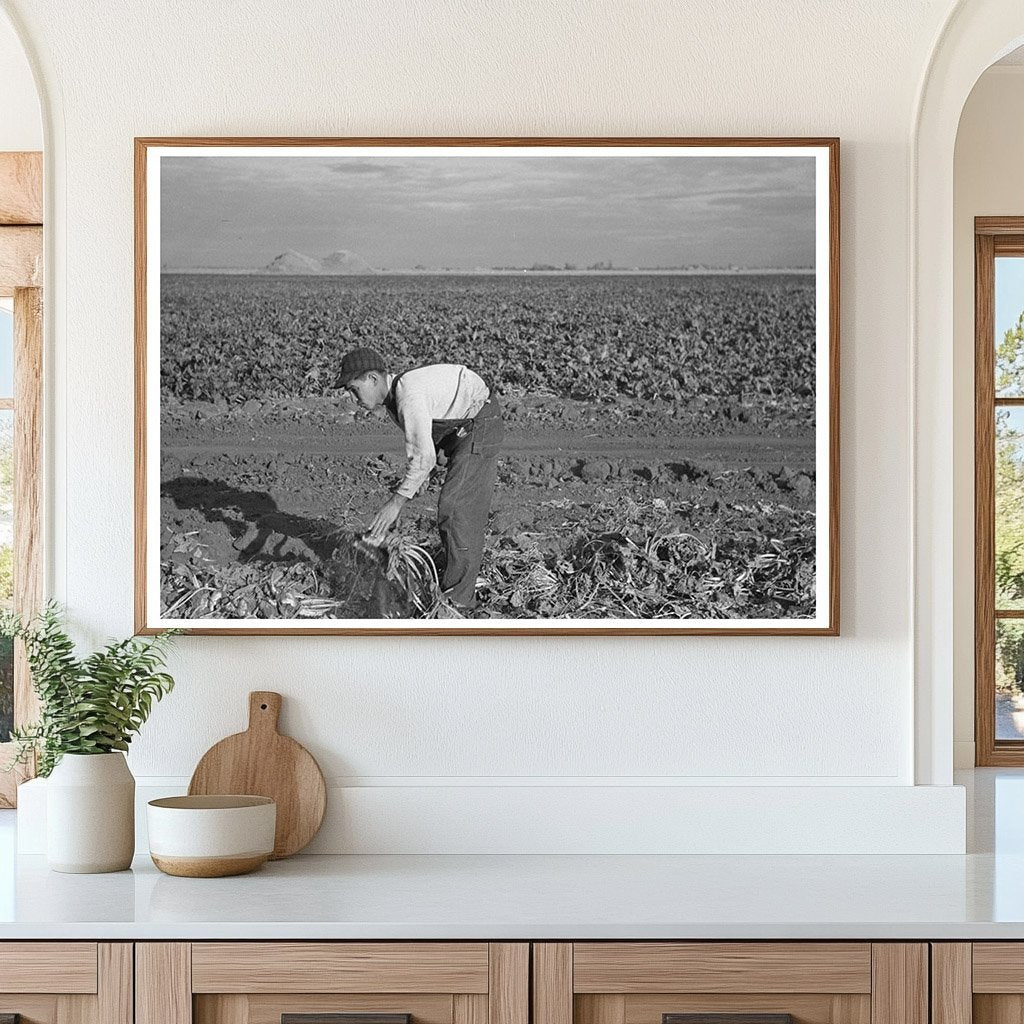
(357, 362)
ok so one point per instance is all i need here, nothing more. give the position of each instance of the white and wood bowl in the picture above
(211, 836)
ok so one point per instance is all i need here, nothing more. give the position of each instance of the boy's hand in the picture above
(385, 519)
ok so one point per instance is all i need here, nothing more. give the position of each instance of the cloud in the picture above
(504, 209)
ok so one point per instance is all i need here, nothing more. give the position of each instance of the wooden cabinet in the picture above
(494, 983)
(978, 982)
(66, 982)
(656, 982)
(264, 982)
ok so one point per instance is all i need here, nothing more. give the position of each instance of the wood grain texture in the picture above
(28, 484)
(21, 259)
(994, 237)
(9, 781)
(508, 994)
(226, 1009)
(76, 1009)
(32, 1009)
(851, 1009)
(998, 967)
(269, 1009)
(304, 967)
(144, 144)
(262, 762)
(346, 1018)
(467, 1009)
(999, 226)
(834, 546)
(951, 983)
(208, 867)
(65, 967)
(998, 1009)
(163, 983)
(728, 1018)
(899, 991)
(147, 142)
(635, 967)
(805, 1008)
(603, 1009)
(115, 996)
(141, 624)
(984, 502)
(1010, 245)
(21, 188)
(552, 983)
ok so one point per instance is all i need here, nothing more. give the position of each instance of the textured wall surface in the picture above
(696, 710)
(21, 126)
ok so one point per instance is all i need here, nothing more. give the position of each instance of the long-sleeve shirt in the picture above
(444, 391)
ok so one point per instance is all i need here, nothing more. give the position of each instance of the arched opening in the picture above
(989, 152)
(975, 37)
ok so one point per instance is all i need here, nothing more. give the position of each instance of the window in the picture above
(6, 511)
(21, 335)
(999, 490)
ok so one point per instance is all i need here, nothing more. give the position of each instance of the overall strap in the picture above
(391, 398)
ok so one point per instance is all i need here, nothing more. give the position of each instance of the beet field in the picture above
(660, 456)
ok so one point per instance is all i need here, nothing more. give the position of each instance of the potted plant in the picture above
(89, 710)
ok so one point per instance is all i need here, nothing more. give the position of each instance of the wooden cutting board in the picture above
(262, 762)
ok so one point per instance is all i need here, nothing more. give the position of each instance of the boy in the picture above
(442, 407)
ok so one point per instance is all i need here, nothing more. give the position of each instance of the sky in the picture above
(1009, 293)
(466, 212)
(6, 354)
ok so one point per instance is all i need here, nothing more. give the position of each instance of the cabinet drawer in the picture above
(998, 967)
(65, 967)
(332, 983)
(340, 967)
(66, 982)
(730, 983)
(980, 982)
(633, 967)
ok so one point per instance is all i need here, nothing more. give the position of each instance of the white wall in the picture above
(21, 126)
(987, 182)
(433, 716)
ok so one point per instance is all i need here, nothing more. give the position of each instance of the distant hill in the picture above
(338, 263)
(345, 262)
(292, 262)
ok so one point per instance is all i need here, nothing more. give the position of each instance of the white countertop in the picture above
(976, 896)
(517, 897)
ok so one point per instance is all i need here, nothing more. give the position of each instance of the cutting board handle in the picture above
(264, 710)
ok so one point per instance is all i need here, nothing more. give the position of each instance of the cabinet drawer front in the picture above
(998, 967)
(636, 967)
(59, 967)
(339, 967)
(269, 1009)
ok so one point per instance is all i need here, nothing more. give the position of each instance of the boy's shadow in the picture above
(256, 519)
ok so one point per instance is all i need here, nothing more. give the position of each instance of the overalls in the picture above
(472, 446)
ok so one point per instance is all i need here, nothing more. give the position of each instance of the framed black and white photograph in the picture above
(489, 386)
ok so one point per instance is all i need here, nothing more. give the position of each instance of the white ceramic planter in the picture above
(90, 814)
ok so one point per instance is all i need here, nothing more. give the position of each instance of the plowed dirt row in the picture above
(732, 451)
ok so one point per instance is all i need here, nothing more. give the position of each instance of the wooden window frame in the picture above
(993, 237)
(21, 278)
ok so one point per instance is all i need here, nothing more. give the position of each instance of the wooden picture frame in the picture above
(788, 517)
